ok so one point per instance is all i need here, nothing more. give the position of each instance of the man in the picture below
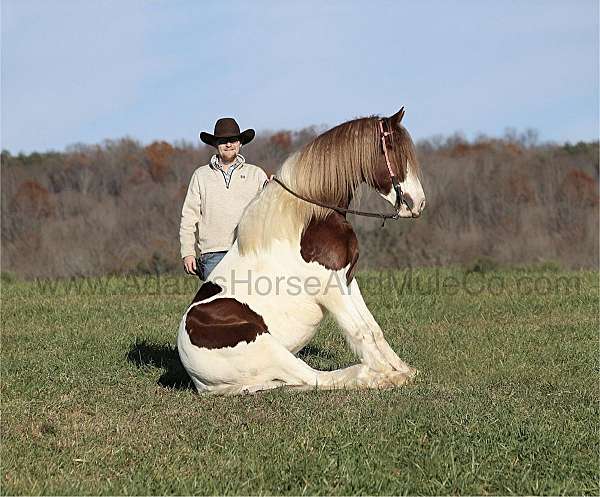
(216, 198)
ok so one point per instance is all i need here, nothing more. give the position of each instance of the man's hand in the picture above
(189, 264)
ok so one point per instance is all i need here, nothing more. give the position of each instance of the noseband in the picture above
(342, 210)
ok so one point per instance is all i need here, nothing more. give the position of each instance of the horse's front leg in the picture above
(364, 335)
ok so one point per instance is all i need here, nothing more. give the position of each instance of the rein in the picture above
(342, 210)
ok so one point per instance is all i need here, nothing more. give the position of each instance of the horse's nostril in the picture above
(422, 205)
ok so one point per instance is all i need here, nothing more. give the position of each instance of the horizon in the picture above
(82, 73)
(509, 135)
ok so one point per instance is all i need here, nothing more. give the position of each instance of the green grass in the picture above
(94, 400)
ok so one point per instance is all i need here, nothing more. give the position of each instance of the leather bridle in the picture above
(395, 183)
(342, 210)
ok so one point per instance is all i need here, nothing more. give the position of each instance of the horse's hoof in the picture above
(413, 373)
(397, 379)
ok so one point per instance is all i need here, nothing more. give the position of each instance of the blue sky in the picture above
(84, 71)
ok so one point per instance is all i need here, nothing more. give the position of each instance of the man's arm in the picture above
(190, 216)
(262, 179)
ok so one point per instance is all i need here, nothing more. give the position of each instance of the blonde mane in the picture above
(328, 170)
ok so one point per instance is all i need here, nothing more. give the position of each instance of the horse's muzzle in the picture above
(405, 212)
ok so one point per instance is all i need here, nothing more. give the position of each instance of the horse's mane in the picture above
(328, 169)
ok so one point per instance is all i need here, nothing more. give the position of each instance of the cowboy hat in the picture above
(227, 127)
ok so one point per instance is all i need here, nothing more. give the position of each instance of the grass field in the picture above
(94, 400)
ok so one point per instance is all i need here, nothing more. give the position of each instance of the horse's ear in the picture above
(397, 117)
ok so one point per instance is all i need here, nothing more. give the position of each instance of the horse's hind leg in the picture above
(359, 376)
(281, 368)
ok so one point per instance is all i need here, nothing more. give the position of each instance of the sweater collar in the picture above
(239, 161)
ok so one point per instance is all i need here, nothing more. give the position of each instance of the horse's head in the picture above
(401, 157)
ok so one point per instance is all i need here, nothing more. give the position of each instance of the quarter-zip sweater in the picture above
(212, 208)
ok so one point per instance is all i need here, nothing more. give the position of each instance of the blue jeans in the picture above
(207, 262)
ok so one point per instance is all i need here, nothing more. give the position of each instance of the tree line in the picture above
(114, 207)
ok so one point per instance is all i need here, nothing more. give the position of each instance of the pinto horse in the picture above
(293, 259)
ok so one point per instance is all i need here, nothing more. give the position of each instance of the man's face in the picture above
(228, 149)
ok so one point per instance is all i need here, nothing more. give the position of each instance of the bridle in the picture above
(342, 210)
(395, 183)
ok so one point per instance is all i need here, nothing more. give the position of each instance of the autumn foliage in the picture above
(33, 200)
(282, 140)
(157, 158)
(579, 186)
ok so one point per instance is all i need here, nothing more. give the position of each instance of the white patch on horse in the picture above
(412, 187)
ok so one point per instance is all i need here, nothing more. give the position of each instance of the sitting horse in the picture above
(294, 258)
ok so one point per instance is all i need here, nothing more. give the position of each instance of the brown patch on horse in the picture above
(223, 323)
(206, 291)
(382, 181)
(332, 243)
(401, 151)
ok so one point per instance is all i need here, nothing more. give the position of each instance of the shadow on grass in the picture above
(166, 357)
(313, 351)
